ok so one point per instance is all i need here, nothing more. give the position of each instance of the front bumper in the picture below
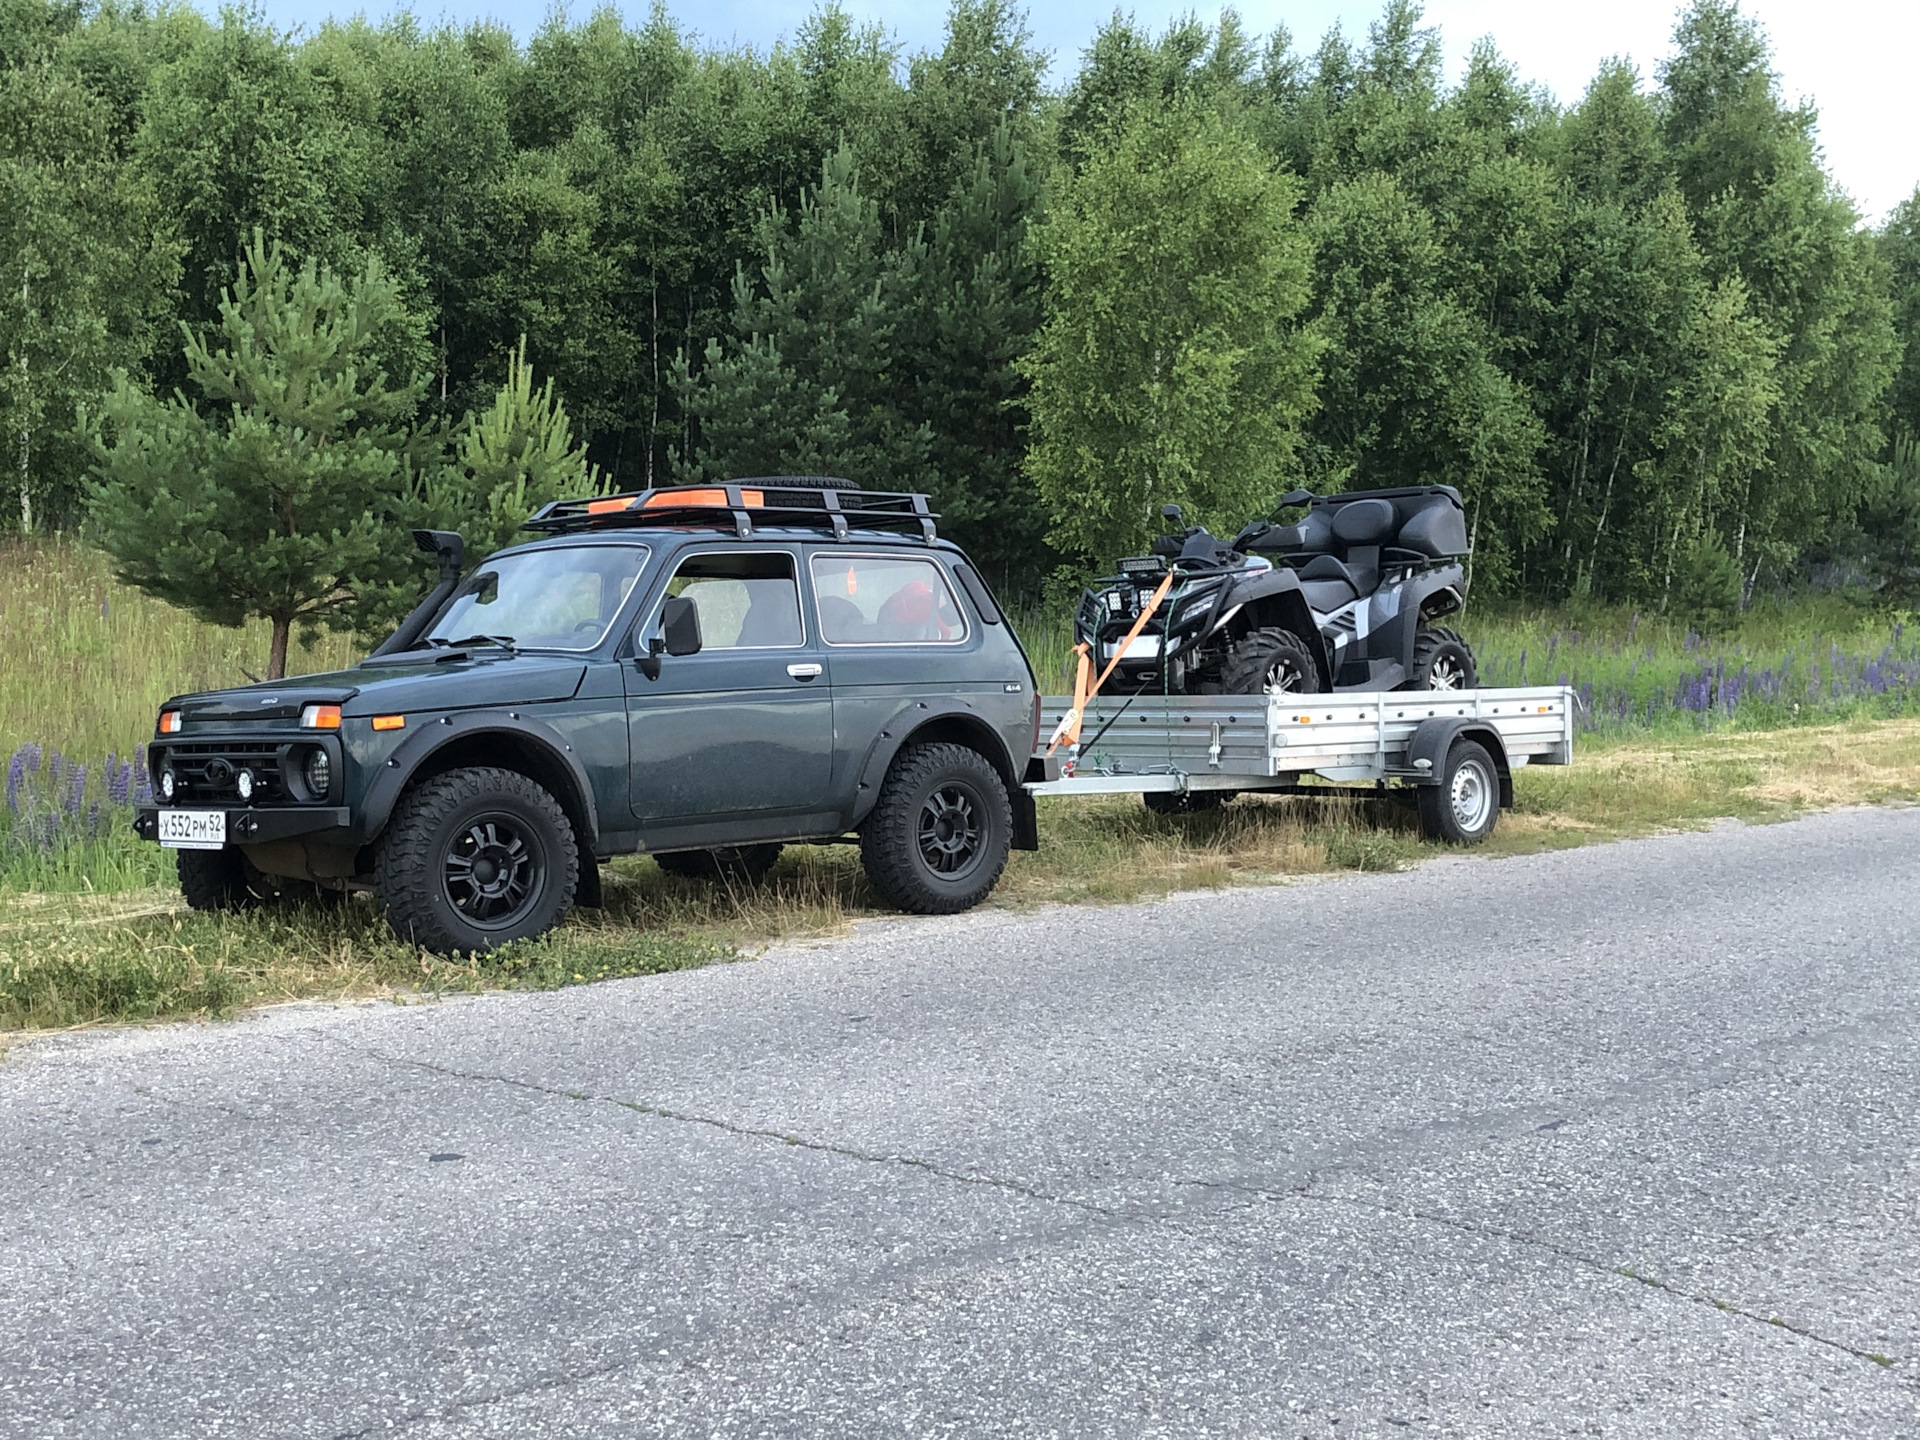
(248, 825)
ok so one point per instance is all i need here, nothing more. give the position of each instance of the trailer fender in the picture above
(1427, 750)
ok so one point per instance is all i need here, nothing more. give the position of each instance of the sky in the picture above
(1854, 59)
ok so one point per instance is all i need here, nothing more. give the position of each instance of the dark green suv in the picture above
(702, 674)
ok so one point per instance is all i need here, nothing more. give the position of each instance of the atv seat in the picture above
(1327, 583)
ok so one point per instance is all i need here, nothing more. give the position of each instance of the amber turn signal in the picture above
(170, 722)
(320, 717)
(389, 722)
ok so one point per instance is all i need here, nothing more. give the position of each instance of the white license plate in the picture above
(193, 829)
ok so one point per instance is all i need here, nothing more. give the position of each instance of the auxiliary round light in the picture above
(243, 782)
(167, 783)
(318, 771)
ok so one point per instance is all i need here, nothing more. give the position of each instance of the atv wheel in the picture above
(474, 859)
(938, 836)
(1464, 807)
(1442, 661)
(1194, 802)
(734, 864)
(1269, 662)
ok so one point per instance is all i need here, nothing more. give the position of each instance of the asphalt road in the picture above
(1618, 1141)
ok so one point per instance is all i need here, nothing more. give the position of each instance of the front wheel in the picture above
(1269, 662)
(938, 836)
(1442, 660)
(1464, 807)
(474, 859)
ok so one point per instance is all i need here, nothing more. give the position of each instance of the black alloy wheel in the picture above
(938, 836)
(491, 871)
(1442, 660)
(475, 859)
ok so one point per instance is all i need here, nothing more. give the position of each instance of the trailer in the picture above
(1455, 750)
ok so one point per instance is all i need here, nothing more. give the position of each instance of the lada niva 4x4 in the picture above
(702, 674)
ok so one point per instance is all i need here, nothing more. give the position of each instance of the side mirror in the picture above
(680, 626)
(1173, 515)
(1295, 497)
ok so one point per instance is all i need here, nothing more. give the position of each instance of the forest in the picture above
(1641, 329)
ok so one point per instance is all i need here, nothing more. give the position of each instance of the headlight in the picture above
(167, 782)
(243, 782)
(318, 773)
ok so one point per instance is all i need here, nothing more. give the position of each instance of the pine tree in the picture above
(276, 492)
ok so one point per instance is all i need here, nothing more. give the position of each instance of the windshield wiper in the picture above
(505, 642)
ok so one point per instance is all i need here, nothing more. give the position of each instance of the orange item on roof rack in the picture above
(673, 499)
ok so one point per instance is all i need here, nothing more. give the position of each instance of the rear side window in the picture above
(747, 601)
(885, 600)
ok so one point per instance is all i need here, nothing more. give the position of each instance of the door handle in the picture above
(803, 672)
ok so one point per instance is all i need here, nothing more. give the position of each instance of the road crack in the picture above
(755, 1132)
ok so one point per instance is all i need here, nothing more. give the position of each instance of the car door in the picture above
(745, 726)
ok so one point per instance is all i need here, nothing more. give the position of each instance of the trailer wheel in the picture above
(1464, 806)
(937, 838)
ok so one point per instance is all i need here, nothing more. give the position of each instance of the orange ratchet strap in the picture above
(1068, 729)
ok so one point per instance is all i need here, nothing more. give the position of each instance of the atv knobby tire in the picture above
(733, 864)
(474, 859)
(937, 838)
(1442, 660)
(1269, 662)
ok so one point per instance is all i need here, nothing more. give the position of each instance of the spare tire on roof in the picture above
(798, 482)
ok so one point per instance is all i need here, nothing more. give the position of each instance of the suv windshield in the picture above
(564, 598)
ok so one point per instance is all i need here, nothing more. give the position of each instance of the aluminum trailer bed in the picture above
(1186, 746)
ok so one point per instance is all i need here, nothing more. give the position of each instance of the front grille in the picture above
(210, 771)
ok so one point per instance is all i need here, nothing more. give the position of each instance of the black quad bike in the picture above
(1345, 600)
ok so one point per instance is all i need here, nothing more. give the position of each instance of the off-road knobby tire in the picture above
(410, 866)
(1429, 645)
(890, 837)
(1194, 802)
(216, 880)
(732, 864)
(1254, 655)
(1439, 819)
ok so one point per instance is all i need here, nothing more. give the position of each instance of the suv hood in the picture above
(449, 685)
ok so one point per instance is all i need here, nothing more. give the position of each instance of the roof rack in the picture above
(780, 500)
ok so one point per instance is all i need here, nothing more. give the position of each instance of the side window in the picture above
(746, 602)
(885, 600)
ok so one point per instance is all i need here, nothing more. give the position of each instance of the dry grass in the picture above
(88, 660)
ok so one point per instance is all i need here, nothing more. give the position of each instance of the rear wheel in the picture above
(1442, 660)
(1269, 662)
(1464, 807)
(735, 864)
(938, 836)
(474, 859)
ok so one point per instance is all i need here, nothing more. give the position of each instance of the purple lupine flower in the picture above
(17, 768)
(76, 790)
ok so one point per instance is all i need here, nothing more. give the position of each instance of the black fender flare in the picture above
(1433, 738)
(1413, 598)
(418, 749)
(909, 723)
